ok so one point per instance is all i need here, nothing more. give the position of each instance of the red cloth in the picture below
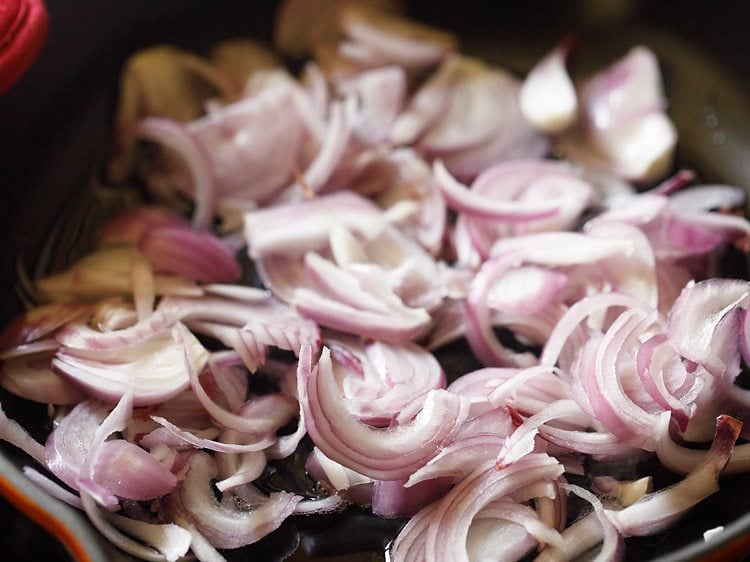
(23, 29)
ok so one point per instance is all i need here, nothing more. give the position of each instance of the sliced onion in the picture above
(174, 136)
(397, 39)
(39, 322)
(384, 454)
(707, 302)
(152, 369)
(448, 521)
(13, 433)
(31, 377)
(226, 526)
(548, 98)
(190, 254)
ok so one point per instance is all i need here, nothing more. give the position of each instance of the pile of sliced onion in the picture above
(349, 224)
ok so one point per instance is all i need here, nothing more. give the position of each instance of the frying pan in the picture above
(54, 127)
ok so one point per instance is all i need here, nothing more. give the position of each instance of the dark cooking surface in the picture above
(61, 107)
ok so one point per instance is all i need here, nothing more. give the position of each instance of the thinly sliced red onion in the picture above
(331, 151)
(703, 198)
(508, 388)
(613, 546)
(391, 498)
(656, 359)
(396, 39)
(39, 322)
(237, 292)
(623, 493)
(253, 426)
(384, 454)
(379, 379)
(190, 254)
(518, 514)
(600, 444)
(130, 472)
(707, 303)
(624, 126)
(113, 535)
(478, 318)
(12, 432)
(268, 230)
(255, 143)
(522, 441)
(395, 326)
(453, 117)
(449, 522)
(209, 444)
(31, 377)
(461, 199)
(245, 471)
(224, 525)
(683, 460)
(657, 511)
(458, 460)
(38, 346)
(577, 314)
(602, 381)
(153, 370)
(328, 504)
(81, 336)
(175, 136)
(66, 447)
(128, 227)
(339, 479)
(380, 95)
(268, 322)
(375, 254)
(87, 483)
(548, 99)
(171, 540)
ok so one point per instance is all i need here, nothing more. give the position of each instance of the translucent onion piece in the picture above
(223, 525)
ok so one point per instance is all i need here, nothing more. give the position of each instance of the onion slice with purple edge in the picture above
(190, 254)
(177, 137)
(221, 522)
(706, 304)
(250, 425)
(656, 511)
(439, 532)
(384, 454)
(153, 369)
(379, 379)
